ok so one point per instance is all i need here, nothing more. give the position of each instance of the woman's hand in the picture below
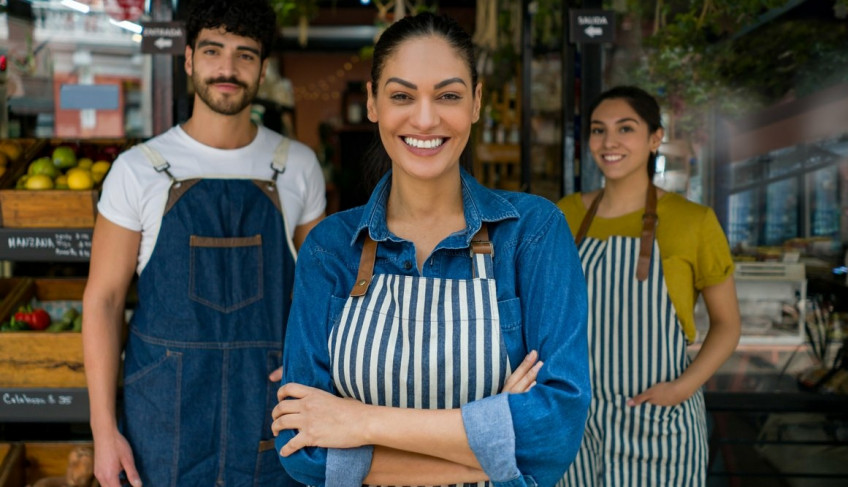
(663, 394)
(320, 418)
(524, 377)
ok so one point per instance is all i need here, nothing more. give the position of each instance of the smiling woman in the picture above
(413, 356)
(646, 254)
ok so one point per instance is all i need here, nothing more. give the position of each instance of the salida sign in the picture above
(591, 26)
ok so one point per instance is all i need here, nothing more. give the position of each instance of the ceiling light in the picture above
(79, 7)
(126, 24)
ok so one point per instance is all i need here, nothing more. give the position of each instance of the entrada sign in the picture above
(163, 38)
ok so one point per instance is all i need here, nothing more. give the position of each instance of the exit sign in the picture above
(591, 26)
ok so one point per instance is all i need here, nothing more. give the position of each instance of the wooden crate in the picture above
(22, 464)
(36, 359)
(56, 208)
(53, 208)
(15, 167)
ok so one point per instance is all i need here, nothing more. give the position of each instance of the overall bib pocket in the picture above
(226, 273)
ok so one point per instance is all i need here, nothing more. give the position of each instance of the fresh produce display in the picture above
(29, 318)
(10, 150)
(68, 166)
(80, 471)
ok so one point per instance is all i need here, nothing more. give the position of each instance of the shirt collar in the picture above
(481, 205)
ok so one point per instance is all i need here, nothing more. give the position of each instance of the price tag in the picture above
(45, 244)
(61, 405)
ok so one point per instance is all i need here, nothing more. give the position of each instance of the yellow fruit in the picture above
(99, 170)
(61, 182)
(80, 179)
(11, 149)
(39, 181)
(101, 166)
(85, 163)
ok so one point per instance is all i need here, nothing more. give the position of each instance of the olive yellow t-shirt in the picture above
(694, 250)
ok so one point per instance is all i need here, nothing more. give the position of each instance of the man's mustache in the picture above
(233, 81)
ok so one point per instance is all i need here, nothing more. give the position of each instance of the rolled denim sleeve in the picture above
(488, 426)
(348, 467)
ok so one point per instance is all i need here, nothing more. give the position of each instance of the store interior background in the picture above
(755, 100)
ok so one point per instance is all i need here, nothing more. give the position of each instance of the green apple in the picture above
(64, 157)
(42, 165)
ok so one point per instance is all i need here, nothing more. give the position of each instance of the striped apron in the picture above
(416, 342)
(635, 341)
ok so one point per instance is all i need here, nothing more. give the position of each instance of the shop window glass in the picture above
(758, 90)
(56, 45)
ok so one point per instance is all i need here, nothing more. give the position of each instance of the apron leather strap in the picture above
(646, 239)
(366, 267)
(649, 229)
(587, 220)
(480, 244)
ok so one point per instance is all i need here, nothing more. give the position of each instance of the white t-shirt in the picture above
(134, 194)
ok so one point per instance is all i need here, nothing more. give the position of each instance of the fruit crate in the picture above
(24, 464)
(54, 208)
(41, 359)
(14, 154)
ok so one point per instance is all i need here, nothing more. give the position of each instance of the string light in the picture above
(323, 88)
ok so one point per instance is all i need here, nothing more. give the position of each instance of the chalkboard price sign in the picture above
(45, 244)
(65, 405)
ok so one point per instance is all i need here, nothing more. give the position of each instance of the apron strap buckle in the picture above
(480, 243)
(482, 247)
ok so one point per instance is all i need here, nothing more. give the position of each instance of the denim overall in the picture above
(424, 343)
(207, 331)
(635, 342)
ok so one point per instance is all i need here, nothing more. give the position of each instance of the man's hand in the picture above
(112, 456)
(276, 376)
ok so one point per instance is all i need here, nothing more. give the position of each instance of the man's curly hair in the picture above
(249, 18)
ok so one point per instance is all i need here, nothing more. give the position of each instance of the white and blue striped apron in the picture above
(635, 342)
(416, 342)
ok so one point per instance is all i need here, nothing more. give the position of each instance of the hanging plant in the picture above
(296, 12)
(710, 54)
(289, 12)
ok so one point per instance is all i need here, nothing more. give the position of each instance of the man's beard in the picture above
(225, 104)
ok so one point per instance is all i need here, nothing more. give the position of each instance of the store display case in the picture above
(65, 200)
(41, 371)
(772, 301)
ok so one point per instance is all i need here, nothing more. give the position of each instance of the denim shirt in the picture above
(519, 439)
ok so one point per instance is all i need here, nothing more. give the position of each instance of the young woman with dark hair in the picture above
(646, 256)
(418, 319)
